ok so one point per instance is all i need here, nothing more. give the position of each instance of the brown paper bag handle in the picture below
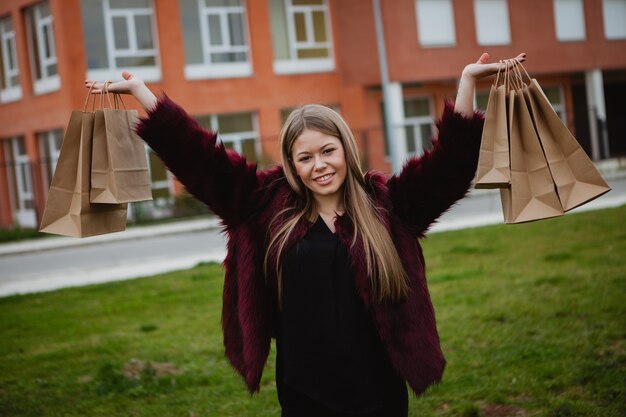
(93, 102)
(495, 83)
(117, 96)
(525, 72)
(106, 92)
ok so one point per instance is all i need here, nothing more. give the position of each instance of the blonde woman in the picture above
(321, 256)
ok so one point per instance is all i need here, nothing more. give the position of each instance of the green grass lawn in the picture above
(531, 317)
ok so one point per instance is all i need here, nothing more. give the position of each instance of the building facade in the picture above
(240, 66)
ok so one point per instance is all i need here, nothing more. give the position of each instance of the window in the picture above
(160, 176)
(418, 124)
(10, 89)
(435, 23)
(237, 131)
(301, 36)
(614, 12)
(569, 16)
(120, 35)
(20, 184)
(555, 97)
(49, 148)
(216, 43)
(43, 55)
(492, 22)
(482, 98)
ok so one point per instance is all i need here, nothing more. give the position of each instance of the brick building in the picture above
(239, 66)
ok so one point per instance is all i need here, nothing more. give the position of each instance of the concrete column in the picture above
(596, 108)
(396, 114)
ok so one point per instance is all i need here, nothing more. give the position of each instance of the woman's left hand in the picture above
(482, 68)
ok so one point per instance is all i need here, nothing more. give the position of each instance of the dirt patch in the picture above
(135, 368)
(502, 410)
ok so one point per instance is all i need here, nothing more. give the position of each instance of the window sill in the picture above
(202, 71)
(47, 85)
(303, 66)
(148, 74)
(9, 95)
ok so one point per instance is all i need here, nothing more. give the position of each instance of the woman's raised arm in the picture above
(430, 184)
(220, 178)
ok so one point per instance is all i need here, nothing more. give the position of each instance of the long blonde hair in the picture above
(384, 267)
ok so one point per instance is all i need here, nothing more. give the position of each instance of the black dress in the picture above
(330, 361)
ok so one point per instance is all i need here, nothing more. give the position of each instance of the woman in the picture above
(322, 257)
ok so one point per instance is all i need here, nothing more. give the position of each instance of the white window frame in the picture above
(47, 83)
(23, 216)
(7, 38)
(149, 74)
(293, 65)
(220, 69)
(614, 29)
(565, 12)
(484, 21)
(416, 122)
(422, 29)
(52, 159)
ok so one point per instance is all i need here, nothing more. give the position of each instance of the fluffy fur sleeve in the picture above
(220, 178)
(431, 183)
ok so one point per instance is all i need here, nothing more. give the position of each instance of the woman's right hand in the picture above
(128, 85)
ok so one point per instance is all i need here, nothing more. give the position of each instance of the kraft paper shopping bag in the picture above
(68, 210)
(119, 170)
(532, 193)
(493, 161)
(576, 178)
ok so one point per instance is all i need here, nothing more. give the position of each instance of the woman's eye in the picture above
(304, 159)
(329, 150)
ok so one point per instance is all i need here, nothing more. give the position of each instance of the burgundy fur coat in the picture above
(246, 200)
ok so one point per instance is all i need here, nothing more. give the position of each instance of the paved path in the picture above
(58, 262)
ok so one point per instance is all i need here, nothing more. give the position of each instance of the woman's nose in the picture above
(319, 163)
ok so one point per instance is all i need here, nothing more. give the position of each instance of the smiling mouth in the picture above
(324, 178)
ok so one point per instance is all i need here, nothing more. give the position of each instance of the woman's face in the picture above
(320, 162)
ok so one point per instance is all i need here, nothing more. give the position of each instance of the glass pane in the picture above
(21, 147)
(143, 27)
(235, 26)
(7, 24)
(48, 41)
(139, 61)
(300, 26)
(58, 139)
(158, 172)
(280, 39)
(129, 4)
(410, 138)
(28, 204)
(160, 193)
(33, 42)
(427, 135)
(25, 176)
(120, 33)
(51, 70)
(227, 57)
(222, 3)
(10, 52)
(306, 2)
(414, 107)
(94, 34)
(14, 81)
(553, 94)
(190, 20)
(204, 121)
(482, 98)
(44, 9)
(319, 27)
(233, 123)
(215, 30)
(313, 53)
(229, 145)
(248, 150)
